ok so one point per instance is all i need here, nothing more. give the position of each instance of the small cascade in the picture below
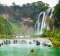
(37, 42)
(41, 21)
(30, 42)
(1, 43)
(51, 12)
(37, 25)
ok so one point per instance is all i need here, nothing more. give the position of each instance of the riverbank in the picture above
(55, 41)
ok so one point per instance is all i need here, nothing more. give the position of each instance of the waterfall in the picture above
(42, 41)
(41, 21)
(38, 23)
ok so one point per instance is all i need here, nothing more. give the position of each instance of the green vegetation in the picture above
(51, 33)
(55, 41)
(7, 36)
(57, 15)
(16, 28)
(8, 29)
(35, 36)
(5, 27)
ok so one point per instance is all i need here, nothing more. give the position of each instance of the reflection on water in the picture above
(25, 50)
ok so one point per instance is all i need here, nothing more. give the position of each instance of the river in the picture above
(25, 50)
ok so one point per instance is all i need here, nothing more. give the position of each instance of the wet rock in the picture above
(37, 43)
(0, 45)
(15, 41)
(9, 42)
(49, 45)
(4, 42)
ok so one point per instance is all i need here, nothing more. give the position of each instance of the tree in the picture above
(57, 15)
(13, 4)
(2, 8)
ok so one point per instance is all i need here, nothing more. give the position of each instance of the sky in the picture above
(52, 3)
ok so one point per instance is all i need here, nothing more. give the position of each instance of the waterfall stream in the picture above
(41, 21)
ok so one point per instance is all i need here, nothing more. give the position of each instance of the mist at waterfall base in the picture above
(41, 21)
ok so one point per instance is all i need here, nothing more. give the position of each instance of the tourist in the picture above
(32, 50)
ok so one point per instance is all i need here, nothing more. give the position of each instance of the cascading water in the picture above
(37, 26)
(42, 42)
(41, 21)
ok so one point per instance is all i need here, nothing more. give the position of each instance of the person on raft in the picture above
(32, 50)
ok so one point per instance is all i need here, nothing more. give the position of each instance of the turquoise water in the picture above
(25, 50)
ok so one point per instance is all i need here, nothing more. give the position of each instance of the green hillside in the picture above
(5, 27)
(15, 27)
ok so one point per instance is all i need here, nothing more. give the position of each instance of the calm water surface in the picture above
(25, 50)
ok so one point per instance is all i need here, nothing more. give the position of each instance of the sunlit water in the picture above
(25, 50)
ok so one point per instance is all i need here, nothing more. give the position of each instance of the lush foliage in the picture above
(16, 28)
(8, 28)
(51, 33)
(7, 36)
(5, 27)
(55, 41)
(57, 15)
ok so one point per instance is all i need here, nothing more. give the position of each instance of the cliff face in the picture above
(26, 28)
(22, 24)
(6, 16)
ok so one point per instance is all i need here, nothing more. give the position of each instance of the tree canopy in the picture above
(57, 15)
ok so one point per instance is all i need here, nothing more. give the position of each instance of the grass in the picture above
(16, 27)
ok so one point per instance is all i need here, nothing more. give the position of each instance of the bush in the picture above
(50, 33)
(36, 36)
(6, 36)
(55, 41)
